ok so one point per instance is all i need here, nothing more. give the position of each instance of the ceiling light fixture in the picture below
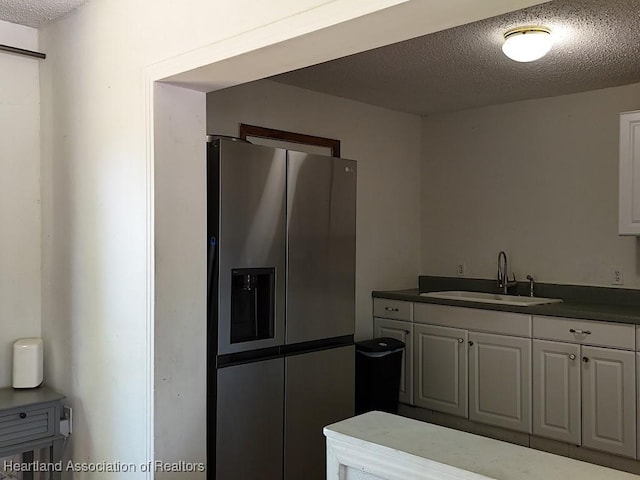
(526, 44)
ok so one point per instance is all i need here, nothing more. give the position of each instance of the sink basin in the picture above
(491, 298)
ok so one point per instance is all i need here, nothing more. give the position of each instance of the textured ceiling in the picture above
(35, 13)
(596, 45)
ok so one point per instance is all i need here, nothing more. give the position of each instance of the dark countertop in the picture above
(569, 308)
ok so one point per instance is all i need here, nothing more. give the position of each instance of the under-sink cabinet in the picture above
(394, 319)
(584, 392)
(465, 365)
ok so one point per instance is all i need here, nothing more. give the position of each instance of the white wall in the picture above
(180, 293)
(20, 253)
(386, 145)
(537, 179)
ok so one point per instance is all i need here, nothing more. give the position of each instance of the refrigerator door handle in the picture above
(212, 268)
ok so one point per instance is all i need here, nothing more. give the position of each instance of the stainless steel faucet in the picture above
(503, 274)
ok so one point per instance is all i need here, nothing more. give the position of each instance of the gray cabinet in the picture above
(556, 391)
(440, 369)
(609, 400)
(500, 380)
(29, 420)
(403, 331)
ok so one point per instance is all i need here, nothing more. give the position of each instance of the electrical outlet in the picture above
(461, 269)
(66, 422)
(617, 276)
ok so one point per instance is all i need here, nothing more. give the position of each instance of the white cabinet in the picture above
(394, 318)
(440, 369)
(609, 400)
(500, 380)
(629, 171)
(584, 392)
(403, 331)
(556, 391)
(576, 381)
(473, 363)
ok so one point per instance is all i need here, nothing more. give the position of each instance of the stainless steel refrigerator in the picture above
(281, 308)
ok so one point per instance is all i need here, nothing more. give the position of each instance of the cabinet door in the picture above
(402, 331)
(500, 380)
(440, 369)
(609, 400)
(629, 186)
(556, 391)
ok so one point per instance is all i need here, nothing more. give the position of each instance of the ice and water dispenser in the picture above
(252, 304)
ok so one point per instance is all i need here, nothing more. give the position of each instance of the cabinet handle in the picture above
(471, 344)
(585, 359)
(572, 356)
(390, 309)
(580, 332)
(407, 332)
(460, 340)
(23, 415)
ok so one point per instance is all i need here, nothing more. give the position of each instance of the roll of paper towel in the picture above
(27, 362)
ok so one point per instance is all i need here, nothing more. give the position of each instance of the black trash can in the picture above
(378, 367)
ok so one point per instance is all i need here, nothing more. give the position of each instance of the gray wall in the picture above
(386, 145)
(538, 179)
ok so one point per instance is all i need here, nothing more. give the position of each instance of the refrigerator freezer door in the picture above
(249, 420)
(321, 211)
(252, 186)
(320, 391)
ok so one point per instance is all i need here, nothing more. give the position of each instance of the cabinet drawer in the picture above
(18, 426)
(395, 309)
(588, 332)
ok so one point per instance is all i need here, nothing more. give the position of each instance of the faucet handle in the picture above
(531, 285)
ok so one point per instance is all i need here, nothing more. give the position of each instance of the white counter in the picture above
(381, 446)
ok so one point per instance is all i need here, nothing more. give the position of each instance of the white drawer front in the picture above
(395, 309)
(588, 332)
(490, 321)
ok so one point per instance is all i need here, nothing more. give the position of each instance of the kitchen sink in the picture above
(495, 298)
